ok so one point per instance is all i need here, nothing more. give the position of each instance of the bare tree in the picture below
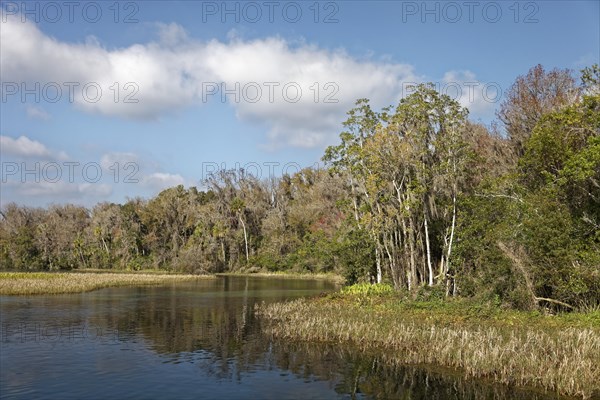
(533, 95)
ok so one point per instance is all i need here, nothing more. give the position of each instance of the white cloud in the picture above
(177, 71)
(159, 180)
(37, 113)
(173, 73)
(23, 147)
(464, 87)
(172, 34)
(28, 148)
(42, 176)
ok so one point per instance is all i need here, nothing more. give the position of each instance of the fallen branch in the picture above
(505, 196)
(538, 299)
(517, 261)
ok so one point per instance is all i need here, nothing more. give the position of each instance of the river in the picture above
(195, 340)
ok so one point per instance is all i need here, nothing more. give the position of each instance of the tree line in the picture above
(416, 195)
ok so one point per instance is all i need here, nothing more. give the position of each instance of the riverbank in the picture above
(338, 279)
(31, 283)
(555, 353)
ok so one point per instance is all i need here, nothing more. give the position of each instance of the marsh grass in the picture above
(554, 353)
(125, 271)
(338, 279)
(30, 283)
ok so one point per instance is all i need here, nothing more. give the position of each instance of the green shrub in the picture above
(368, 289)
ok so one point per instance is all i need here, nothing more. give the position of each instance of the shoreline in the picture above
(338, 279)
(85, 280)
(524, 349)
(48, 283)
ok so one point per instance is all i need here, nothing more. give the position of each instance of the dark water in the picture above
(195, 340)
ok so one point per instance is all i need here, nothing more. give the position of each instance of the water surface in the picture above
(195, 340)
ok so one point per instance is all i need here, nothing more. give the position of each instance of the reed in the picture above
(527, 350)
(31, 283)
(338, 279)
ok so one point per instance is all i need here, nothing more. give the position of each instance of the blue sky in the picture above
(175, 58)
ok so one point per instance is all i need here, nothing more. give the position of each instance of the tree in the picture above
(17, 238)
(533, 95)
(402, 169)
(590, 80)
(59, 236)
(348, 160)
(532, 234)
(169, 220)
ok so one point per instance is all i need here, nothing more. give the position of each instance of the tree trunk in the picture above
(378, 261)
(245, 239)
(406, 251)
(451, 232)
(412, 247)
(105, 246)
(223, 251)
(429, 267)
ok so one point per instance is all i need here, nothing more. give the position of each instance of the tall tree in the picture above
(531, 96)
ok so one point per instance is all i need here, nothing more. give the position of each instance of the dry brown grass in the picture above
(338, 279)
(565, 361)
(30, 283)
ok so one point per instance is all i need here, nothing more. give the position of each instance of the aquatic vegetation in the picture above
(515, 349)
(24, 283)
(368, 289)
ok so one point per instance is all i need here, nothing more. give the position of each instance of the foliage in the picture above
(368, 289)
(414, 195)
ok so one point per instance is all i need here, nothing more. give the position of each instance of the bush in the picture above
(266, 261)
(431, 293)
(368, 289)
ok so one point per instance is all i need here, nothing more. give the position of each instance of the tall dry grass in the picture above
(565, 361)
(338, 279)
(30, 283)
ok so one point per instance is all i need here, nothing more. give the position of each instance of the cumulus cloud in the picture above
(24, 147)
(298, 90)
(304, 90)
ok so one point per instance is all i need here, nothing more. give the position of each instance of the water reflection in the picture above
(196, 339)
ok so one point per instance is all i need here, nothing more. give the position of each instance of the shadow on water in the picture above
(199, 338)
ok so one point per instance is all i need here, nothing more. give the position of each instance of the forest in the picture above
(415, 195)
